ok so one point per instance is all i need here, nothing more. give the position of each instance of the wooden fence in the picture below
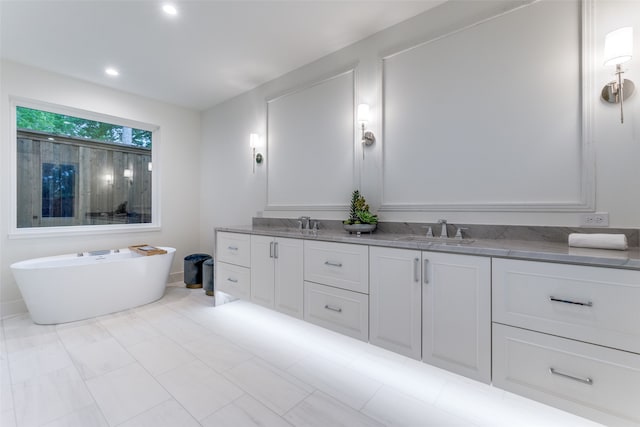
(68, 181)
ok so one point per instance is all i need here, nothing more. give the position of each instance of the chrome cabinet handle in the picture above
(336, 309)
(232, 280)
(566, 301)
(333, 264)
(571, 377)
(270, 249)
(275, 250)
(232, 248)
(425, 276)
(416, 273)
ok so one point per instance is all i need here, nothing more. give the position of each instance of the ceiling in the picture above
(209, 52)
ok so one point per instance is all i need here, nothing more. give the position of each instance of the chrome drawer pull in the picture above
(232, 248)
(336, 309)
(425, 276)
(333, 264)
(566, 301)
(416, 270)
(232, 280)
(270, 249)
(571, 377)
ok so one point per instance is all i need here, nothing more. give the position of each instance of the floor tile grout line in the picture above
(173, 397)
(13, 398)
(256, 397)
(84, 380)
(12, 384)
(372, 396)
(442, 382)
(135, 361)
(247, 394)
(380, 384)
(152, 408)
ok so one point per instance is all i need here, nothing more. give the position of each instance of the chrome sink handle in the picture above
(429, 233)
(459, 232)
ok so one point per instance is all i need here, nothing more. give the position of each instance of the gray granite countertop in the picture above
(536, 250)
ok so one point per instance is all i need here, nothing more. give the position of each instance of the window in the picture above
(75, 171)
(58, 190)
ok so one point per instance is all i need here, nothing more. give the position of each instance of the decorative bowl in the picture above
(360, 228)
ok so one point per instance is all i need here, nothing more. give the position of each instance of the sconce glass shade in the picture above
(253, 140)
(618, 46)
(363, 113)
(128, 173)
(149, 166)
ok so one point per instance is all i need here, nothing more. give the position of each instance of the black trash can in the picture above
(207, 276)
(193, 269)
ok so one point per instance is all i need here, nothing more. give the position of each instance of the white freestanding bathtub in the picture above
(66, 288)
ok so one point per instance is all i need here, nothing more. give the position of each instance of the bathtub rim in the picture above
(32, 263)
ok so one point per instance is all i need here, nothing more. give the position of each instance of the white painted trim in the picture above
(270, 206)
(296, 207)
(586, 201)
(81, 230)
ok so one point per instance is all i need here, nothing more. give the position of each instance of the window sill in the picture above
(82, 230)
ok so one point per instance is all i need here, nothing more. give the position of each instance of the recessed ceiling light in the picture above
(112, 72)
(170, 9)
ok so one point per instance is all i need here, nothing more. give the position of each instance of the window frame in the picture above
(80, 230)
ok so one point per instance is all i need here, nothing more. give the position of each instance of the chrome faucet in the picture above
(304, 222)
(443, 230)
(459, 232)
(429, 233)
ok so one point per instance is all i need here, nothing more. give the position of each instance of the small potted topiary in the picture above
(360, 219)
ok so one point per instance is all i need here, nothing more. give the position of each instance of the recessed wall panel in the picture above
(489, 117)
(310, 157)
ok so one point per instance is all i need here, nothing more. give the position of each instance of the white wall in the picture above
(236, 195)
(179, 165)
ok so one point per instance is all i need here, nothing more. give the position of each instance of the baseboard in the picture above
(175, 277)
(11, 308)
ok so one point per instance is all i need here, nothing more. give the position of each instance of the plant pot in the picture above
(360, 228)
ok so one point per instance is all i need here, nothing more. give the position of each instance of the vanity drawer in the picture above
(233, 280)
(593, 381)
(592, 304)
(233, 248)
(343, 311)
(341, 265)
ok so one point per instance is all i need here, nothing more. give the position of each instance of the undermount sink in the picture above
(445, 240)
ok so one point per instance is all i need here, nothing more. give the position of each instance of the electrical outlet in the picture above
(597, 219)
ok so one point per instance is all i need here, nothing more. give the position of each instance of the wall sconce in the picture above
(253, 143)
(618, 49)
(149, 166)
(128, 173)
(368, 137)
(108, 178)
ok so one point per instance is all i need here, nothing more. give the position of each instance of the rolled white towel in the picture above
(598, 241)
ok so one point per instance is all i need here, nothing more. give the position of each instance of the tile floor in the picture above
(180, 362)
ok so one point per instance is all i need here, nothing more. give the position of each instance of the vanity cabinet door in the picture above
(276, 279)
(262, 270)
(456, 313)
(395, 291)
(288, 276)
